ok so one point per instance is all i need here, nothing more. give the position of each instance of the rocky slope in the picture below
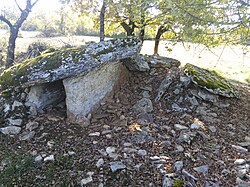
(143, 136)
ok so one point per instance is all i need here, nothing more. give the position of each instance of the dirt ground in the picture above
(146, 146)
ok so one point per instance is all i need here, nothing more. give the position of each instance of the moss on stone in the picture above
(47, 61)
(178, 183)
(209, 80)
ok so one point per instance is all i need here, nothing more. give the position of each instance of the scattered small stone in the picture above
(126, 144)
(15, 122)
(185, 173)
(117, 166)
(154, 158)
(225, 172)
(110, 150)
(180, 127)
(129, 150)
(100, 162)
(88, 179)
(178, 165)
(179, 148)
(167, 181)
(166, 144)
(26, 135)
(38, 158)
(186, 136)
(31, 125)
(49, 158)
(144, 105)
(212, 129)
(242, 183)
(240, 149)
(176, 108)
(247, 138)
(142, 152)
(10, 130)
(239, 161)
(202, 169)
(95, 134)
(109, 136)
(195, 125)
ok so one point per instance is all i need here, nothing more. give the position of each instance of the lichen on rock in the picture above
(210, 81)
(61, 64)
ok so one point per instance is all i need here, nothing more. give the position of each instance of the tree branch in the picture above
(18, 6)
(2, 18)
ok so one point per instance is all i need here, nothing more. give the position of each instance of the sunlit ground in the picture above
(231, 61)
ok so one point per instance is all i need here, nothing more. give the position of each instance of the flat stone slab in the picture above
(57, 65)
(210, 81)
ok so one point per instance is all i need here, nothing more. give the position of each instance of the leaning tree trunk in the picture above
(14, 28)
(129, 28)
(11, 47)
(102, 16)
(159, 33)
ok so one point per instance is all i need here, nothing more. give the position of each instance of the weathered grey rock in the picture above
(138, 63)
(212, 129)
(193, 101)
(180, 127)
(202, 169)
(38, 158)
(16, 105)
(176, 108)
(187, 174)
(163, 87)
(210, 81)
(88, 179)
(178, 165)
(84, 93)
(142, 152)
(167, 181)
(161, 62)
(117, 166)
(49, 158)
(212, 184)
(195, 125)
(186, 136)
(42, 96)
(14, 122)
(242, 183)
(27, 135)
(240, 161)
(144, 105)
(205, 95)
(185, 81)
(240, 149)
(99, 163)
(32, 125)
(10, 130)
(66, 63)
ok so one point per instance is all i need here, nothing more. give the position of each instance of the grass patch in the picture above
(18, 170)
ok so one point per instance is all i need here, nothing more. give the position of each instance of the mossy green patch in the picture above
(210, 80)
(47, 61)
(178, 183)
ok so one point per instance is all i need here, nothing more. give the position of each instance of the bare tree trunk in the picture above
(159, 33)
(129, 28)
(14, 29)
(11, 47)
(102, 17)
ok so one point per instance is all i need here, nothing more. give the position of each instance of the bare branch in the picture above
(34, 3)
(2, 18)
(18, 6)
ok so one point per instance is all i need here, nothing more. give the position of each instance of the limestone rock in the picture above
(137, 64)
(163, 87)
(162, 62)
(210, 81)
(61, 64)
(117, 166)
(10, 130)
(143, 106)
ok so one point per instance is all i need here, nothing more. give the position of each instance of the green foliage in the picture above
(18, 170)
(178, 183)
